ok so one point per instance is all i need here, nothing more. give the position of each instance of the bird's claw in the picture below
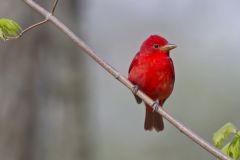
(135, 89)
(155, 105)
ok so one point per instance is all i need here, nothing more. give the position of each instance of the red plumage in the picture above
(153, 72)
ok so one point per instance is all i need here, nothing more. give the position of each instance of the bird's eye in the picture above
(156, 46)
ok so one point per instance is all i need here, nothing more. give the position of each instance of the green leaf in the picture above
(1, 34)
(225, 149)
(235, 148)
(238, 134)
(8, 29)
(222, 134)
(232, 149)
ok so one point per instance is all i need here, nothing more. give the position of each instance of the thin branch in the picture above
(32, 26)
(193, 136)
(54, 6)
(39, 23)
(27, 29)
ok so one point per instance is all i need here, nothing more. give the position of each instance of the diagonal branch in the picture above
(193, 136)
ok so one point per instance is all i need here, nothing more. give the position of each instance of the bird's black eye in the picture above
(156, 46)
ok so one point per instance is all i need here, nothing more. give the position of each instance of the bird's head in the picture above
(156, 44)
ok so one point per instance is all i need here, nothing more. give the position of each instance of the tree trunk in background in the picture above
(43, 100)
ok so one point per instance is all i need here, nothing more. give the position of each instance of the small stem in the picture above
(54, 6)
(28, 29)
(38, 23)
(32, 26)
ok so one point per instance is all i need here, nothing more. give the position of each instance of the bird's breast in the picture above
(155, 76)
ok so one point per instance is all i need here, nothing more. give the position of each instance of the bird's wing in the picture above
(134, 61)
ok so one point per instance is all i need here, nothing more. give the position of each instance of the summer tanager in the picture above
(152, 72)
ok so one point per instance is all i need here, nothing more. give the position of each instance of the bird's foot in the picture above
(155, 105)
(135, 89)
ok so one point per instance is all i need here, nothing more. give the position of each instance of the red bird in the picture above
(152, 72)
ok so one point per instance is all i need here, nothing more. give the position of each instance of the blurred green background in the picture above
(57, 104)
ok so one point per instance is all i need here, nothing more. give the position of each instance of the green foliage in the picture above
(8, 29)
(232, 148)
(222, 134)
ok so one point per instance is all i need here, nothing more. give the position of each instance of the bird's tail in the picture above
(153, 120)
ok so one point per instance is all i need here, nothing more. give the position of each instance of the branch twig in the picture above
(54, 6)
(32, 26)
(193, 136)
(41, 22)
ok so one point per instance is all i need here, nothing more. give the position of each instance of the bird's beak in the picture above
(168, 47)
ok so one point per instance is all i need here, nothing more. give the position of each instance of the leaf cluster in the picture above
(231, 148)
